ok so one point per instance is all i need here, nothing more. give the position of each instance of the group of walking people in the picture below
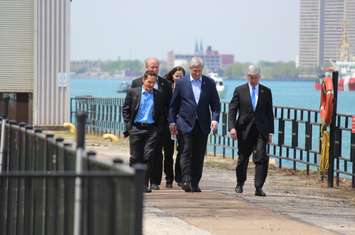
(183, 108)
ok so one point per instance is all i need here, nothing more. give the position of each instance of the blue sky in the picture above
(252, 30)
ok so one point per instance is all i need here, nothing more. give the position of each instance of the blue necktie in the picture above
(253, 98)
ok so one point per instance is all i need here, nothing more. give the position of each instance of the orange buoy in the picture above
(326, 100)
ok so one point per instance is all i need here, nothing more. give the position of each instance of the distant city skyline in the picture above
(251, 30)
(322, 36)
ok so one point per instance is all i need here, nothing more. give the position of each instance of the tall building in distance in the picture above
(325, 25)
(213, 60)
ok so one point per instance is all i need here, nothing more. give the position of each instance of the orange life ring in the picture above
(326, 100)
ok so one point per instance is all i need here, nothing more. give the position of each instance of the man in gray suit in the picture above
(253, 128)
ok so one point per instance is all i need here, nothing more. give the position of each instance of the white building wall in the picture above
(309, 44)
(321, 23)
(333, 16)
(52, 30)
(16, 45)
(350, 24)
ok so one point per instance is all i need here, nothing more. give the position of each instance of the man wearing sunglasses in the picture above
(251, 122)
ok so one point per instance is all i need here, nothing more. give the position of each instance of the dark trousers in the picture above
(193, 154)
(255, 143)
(179, 149)
(142, 144)
(166, 145)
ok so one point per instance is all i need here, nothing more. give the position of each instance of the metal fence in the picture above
(104, 114)
(296, 142)
(39, 183)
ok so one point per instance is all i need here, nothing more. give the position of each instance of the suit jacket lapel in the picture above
(248, 95)
(187, 80)
(155, 105)
(160, 83)
(260, 96)
(138, 98)
(203, 88)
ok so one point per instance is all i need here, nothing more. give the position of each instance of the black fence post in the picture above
(6, 107)
(308, 141)
(80, 141)
(139, 185)
(29, 201)
(333, 131)
(337, 151)
(80, 126)
(352, 151)
(2, 137)
(281, 134)
(4, 183)
(294, 139)
(71, 109)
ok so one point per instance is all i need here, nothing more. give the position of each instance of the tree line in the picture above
(269, 70)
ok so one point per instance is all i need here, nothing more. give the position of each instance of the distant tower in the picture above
(323, 32)
(201, 48)
(345, 45)
(345, 54)
(196, 48)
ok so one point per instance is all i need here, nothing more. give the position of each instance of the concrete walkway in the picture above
(212, 212)
(295, 203)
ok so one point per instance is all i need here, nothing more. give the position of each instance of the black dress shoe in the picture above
(195, 189)
(186, 186)
(179, 184)
(169, 185)
(147, 189)
(260, 193)
(238, 189)
(154, 187)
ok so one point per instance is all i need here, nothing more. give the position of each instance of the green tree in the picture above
(235, 70)
(269, 70)
(116, 66)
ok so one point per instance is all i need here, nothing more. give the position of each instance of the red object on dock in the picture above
(346, 81)
(326, 100)
(353, 126)
(343, 84)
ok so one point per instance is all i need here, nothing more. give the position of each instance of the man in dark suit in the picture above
(142, 111)
(195, 97)
(253, 128)
(164, 143)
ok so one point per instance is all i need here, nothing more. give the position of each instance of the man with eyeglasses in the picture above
(253, 128)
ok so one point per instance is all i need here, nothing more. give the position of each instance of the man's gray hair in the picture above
(253, 70)
(196, 62)
(149, 59)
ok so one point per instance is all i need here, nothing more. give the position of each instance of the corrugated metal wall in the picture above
(16, 45)
(52, 24)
